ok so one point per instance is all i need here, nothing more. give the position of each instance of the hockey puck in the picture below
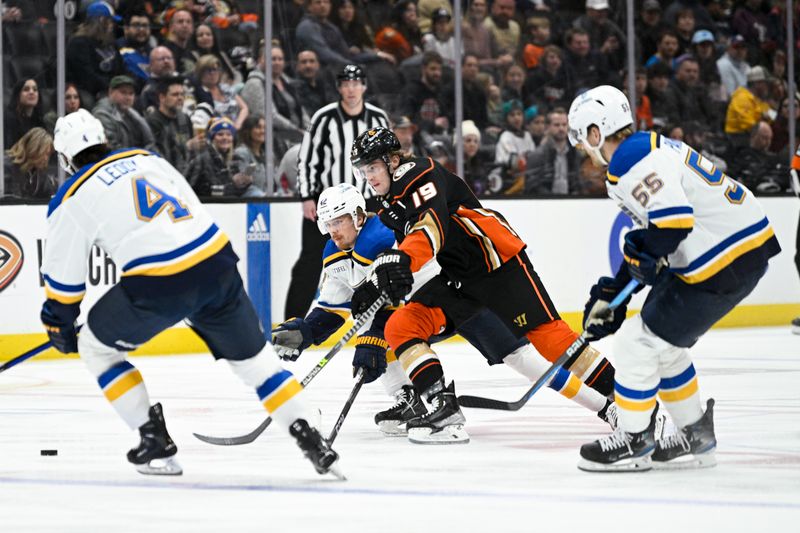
(48, 452)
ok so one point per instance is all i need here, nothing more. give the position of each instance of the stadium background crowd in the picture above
(186, 79)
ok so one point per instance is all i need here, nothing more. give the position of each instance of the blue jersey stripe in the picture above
(81, 287)
(635, 394)
(677, 381)
(667, 211)
(272, 383)
(713, 252)
(202, 239)
(113, 373)
(560, 379)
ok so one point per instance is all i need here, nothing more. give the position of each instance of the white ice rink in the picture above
(517, 474)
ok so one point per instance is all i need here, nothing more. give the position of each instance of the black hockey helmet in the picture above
(351, 72)
(375, 143)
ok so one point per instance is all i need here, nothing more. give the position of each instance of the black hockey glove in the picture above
(597, 321)
(63, 335)
(392, 269)
(371, 356)
(364, 296)
(291, 338)
(642, 266)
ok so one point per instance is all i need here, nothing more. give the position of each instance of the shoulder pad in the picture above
(631, 151)
(408, 173)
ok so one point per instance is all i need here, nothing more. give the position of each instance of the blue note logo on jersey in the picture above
(11, 259)
(622, 224)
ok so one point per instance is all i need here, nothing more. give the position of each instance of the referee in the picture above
(324, 161)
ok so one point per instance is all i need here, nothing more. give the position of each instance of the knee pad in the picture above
(97, 357)
(413, 322)
(551, 339)
(255, 370)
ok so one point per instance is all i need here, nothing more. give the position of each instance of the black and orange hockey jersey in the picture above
(434, 213)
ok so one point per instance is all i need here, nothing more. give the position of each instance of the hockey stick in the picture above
(573, 351)
(347, 405)
(30, 353)
(253, 435)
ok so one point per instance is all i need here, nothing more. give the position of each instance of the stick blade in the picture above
(235, 441)
(477, 402)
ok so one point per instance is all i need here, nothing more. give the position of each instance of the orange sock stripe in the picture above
(419, 370)
(598, 373)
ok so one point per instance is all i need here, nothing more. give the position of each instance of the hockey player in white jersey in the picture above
(176, 264)
(357, 238)
(703, 242)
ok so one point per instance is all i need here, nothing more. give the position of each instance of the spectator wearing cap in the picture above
(691, 94)
(162, 65)
(287, 114)
(440, 39)
(179, 27)
(424, 102)
(314, 87)
(171, 127)
(406, 132)
(324, 161)
(123, 125)
(649, 26)
(666, 51)
(604, 35)
(733, 66)
(585, 67)
(473, 95)
(212, 172)
(402, 37)
(515, 141)
(426, 10)
(503, 28)
(316, 32)
(535, 123)
(135, 45)
(554, 166)
(703, 49)
(476, 164)
(551, 84)
(749, 105)
(92, 59)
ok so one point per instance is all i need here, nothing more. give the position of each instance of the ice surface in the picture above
(517, 474)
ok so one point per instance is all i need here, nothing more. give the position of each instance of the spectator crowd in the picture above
(187, 79)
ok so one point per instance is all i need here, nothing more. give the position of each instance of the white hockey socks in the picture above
(678, 387)
(395, 377)
(527, 361)
(121, 382)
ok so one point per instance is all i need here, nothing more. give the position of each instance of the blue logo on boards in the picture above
(258, 262)
(622, 224)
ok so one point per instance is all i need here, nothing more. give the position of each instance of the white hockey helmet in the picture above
(73, 134)
(605, 107)
(342, 199)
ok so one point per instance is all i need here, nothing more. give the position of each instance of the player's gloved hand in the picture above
(371, 356)
(364, 296)
(598, 322)
(642, 266)
(63, 335)
(392, 269)
(291, 338)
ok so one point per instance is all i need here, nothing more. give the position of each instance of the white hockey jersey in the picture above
(664, 183)
(139, 209)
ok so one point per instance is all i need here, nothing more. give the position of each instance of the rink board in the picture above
(570, 242)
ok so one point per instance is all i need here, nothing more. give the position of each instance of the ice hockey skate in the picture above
(689, 447)
(392, 421)
(155, 454)
(609, 414)
(444, 423)
(622, 451)
(315, 448)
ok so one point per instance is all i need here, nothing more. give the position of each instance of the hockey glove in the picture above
(63, 335)
(371, 356)
(364, 296)
(291, 338)
(392, 269)
(597, 321)
(642, 266)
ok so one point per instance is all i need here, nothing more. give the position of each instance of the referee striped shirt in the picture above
(324, 159)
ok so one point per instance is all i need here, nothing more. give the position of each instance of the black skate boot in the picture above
(392, 421)
(608, 414)
(444, 423)
(796, 326)
(690, 447)
(620, 451)
(315, 448)
(156, 451)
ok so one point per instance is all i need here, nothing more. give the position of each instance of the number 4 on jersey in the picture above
(150, 201)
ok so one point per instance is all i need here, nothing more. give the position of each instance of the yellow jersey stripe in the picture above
(282, 395)
(123, 385)
(61, 298)
(728, 258)
(188, 262)
(632, 405)
(681, 393)
(89, 173)
(333, 257)
(572, 388)
(680, 223)
(612, 178)
(360, 258)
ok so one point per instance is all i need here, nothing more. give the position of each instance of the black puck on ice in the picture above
(48, 452)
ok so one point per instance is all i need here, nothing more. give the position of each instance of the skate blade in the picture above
(637, 464)
(167, 466)
(688, 462)
(392, 429)
(454, 434)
